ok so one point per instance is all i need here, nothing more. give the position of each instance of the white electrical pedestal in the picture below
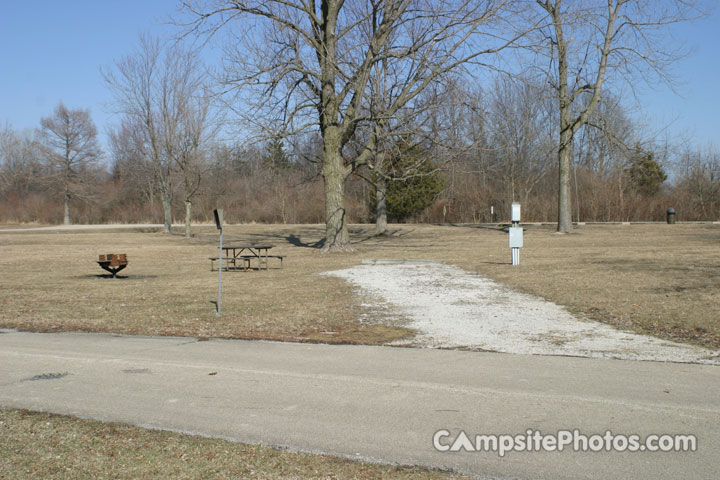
(515, 234)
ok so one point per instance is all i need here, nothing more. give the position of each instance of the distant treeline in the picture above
(493, 148)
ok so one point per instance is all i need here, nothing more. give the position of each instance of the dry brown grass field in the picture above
(41, 445)
(658, 279)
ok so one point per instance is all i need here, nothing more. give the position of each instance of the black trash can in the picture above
(670, 216)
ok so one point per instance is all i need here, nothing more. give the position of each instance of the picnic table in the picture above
(239, 257)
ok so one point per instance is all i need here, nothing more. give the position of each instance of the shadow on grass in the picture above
(295, 240)
(116, 277)
(660, 265)
(495, 227)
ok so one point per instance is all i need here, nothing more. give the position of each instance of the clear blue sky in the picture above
(696, 111)
(52, 50)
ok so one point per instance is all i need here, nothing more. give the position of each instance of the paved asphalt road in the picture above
(374, 403)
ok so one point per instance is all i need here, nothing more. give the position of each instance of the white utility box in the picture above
(516, 237)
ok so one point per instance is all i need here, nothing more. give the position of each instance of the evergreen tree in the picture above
(412, 187)
(646, 173)
(276, 159)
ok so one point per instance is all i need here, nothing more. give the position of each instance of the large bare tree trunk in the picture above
(336, 231)
(334, 173)
(67, 209)
(167, 210)
(188, 215)
(188, 202)
(380, 205)
(621, 197)
(564, 200)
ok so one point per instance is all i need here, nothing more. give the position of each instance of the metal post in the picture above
(219, 300)
(515, 256)
(219, 224)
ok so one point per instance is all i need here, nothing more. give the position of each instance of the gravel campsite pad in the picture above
(451, 308)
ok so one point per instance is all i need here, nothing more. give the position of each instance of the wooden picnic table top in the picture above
(249, 247)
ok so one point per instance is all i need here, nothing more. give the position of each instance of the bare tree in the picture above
(700, 180)
(136, 83)
(20, 167)
(605, 150)
(519, 121)
(130, 167)
(588, 43)
(69, 141)
(161, 91)
(391, 138)
(195, 132)
(397, 134)
(311, 62)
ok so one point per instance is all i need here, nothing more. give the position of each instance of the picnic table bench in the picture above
(240, 257)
